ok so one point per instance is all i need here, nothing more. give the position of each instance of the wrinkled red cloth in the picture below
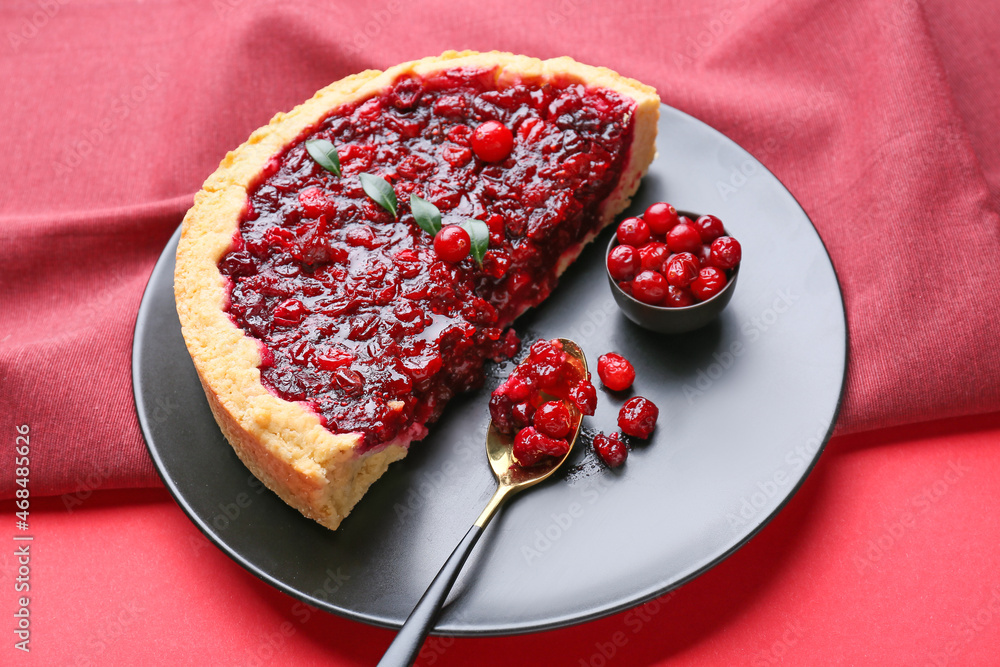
(881, 118)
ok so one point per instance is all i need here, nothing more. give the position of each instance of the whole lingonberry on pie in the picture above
(492, 141)
(611, 449)
(314, 202)
(452, 244)
(638, 417)
(290, 313)
(659, 257)
(615, 371)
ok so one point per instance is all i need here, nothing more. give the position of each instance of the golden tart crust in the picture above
(320, 473)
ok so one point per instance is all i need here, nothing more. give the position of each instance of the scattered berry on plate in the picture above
(615, 371)
(638, 417)
(611, 449)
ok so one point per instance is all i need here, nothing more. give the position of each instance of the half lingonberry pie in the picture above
(353, 265)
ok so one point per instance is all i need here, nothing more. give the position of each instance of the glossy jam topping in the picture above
(357, 314)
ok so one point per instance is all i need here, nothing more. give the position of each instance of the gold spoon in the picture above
(511, 478)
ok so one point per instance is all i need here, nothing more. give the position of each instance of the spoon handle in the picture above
(407, 644)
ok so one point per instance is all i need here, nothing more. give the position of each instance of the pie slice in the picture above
(326, 329)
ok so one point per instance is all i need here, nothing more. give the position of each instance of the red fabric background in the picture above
(881, 118)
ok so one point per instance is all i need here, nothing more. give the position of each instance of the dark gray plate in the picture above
(746, 405)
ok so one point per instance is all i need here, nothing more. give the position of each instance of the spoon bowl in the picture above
(511, 478)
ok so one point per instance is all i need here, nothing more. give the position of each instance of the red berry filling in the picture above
(615, 371)
(359, 315)
(644, 268)
(638, 417)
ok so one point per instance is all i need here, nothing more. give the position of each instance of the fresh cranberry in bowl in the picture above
(649, 287)
(657, 268)
(634, 232)
(661, 217)
(624, 262)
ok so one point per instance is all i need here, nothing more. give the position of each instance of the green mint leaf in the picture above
(426, 214)
(479, 233)
(325, 154)
(379, 189)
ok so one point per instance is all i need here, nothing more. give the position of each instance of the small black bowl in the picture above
(671, 320)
